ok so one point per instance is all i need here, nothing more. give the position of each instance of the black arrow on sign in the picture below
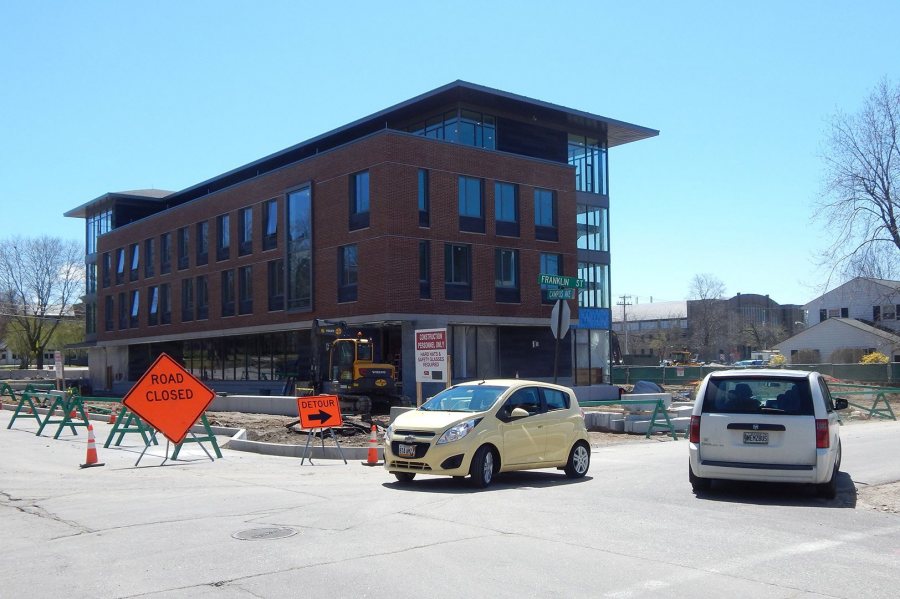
(321, 416)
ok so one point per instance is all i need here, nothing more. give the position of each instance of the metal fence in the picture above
(673, 375)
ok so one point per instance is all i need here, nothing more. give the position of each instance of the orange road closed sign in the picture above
(319, 411)
(169, 398)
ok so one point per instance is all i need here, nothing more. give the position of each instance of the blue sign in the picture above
(594, 318)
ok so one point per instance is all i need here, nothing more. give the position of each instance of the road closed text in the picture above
(170, 392)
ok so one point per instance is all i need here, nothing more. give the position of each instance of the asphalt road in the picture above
(632, 528)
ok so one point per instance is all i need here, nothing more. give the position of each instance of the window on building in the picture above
(551, 264)
(471, 205)
(120, 266)
(165, 253)
(591, 222)
(135, 308)
(276, 285)
(97, 224)
(135, 262)
(506, 280)
(153, 306)
(299, 250)
(348, 271)
(202, 291)
(202, 243)
(107, 267)
(596, 291)
(123, 312)
(359, 200)
(588, 156)
(227, 292)
(223, 237)
(545, 215)
(884, 312)
(109, 310)
(187, 300)
(270, 225)
(165, 303)
(184, 243)
(245, 290)
(506, 209)
(425, 269)
(424, 199)
(91, 278)
(245, 231)
(458, 272)
(460, 126)
(149, 257)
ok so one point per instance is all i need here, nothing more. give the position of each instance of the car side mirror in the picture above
(518, 413)
(841, 403)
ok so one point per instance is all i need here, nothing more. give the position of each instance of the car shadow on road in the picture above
(507, 480)
(786, 494)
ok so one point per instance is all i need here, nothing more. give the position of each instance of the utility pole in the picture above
(625, 302)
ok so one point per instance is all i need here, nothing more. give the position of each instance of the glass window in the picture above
(270, 225)
(107, 267)
(202, 297)
(592, 227)
(245, 290)
(223, 237)
(588, 156)
(359, 200)
(424, 199)
(183, 245)
(507, 275)
(165, 303)
(202, 243)
(466, 127)
(135, 262)
(135, 308)
(551, 264)
(348, 271)
(596, 292)
(299, 250)
(149, 257)
(165, 253)
(153, 307)
(227, 293)
(556, 399)
(245, 231)
(108, 313)
(425, 269)
(276, 285)
(123, 312)
(506, 209)
(545, 215)
(187, 300)
(458, 271)
(120, 266)
(91, 281)
(470, 197)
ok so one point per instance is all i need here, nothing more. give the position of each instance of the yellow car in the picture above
(486, 427)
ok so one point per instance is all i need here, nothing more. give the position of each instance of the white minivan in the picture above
(765, 425)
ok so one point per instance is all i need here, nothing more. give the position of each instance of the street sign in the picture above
(561, 281)
(559, 324)
(564, 294)
(169, 398)
(431, 356)
(319, 411)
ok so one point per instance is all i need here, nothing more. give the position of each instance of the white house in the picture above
(829, 341)
(871, 300)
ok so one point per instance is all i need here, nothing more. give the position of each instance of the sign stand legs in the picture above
(321, 434)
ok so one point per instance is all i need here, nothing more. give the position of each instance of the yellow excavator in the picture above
(682, 357)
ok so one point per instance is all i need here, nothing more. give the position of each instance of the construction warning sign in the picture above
(431, 355)
(169, 398)
(319, 411)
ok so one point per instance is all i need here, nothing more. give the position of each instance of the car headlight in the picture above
(458, 432)
(388, 433)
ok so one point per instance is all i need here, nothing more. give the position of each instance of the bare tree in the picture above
(860, 201)
(45, 277)
(707, 316)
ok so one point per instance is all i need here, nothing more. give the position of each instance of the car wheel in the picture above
(837, 460)
(829, 490)
(482, 468)
(405, 477)
(579, 460)
(698, 484)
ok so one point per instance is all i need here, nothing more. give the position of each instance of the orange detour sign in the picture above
(169, 398)
(319, 411)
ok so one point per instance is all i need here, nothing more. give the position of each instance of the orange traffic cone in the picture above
(372, 459)
(112, 416)
(91, 459)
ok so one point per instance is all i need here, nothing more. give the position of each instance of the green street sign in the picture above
(565, 294)
(561, 281)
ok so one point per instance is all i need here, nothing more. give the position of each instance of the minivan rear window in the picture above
(758, 395)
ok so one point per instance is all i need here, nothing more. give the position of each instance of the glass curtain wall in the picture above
(299, 250)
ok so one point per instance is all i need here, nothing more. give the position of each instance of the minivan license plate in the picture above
(756, 438)
(407, 451)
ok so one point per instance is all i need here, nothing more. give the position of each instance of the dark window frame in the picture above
(360, 200)
(348, 273)
(424, 269)
(503, 226)
(424, 197)
(245, 231)
(226, 278)
(276, 284)
(202, 297)
(149, 257)
(184, 242)
(455, 288)
(270, 225)
(202, 243)
(542, 230)
(468, 222)
(223, 237)
(245, 289)
(504, 292)
(187, 299)
(165, 253)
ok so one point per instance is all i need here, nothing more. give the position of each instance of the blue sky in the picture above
(111, 96)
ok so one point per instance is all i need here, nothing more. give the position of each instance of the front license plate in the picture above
(407, 451)
(755, 438)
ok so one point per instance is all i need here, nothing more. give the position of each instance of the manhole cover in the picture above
(264, 534)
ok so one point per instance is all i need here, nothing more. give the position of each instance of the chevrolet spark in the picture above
(486, 427)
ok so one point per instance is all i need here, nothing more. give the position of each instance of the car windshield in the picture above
(758, 395)
(465, 398)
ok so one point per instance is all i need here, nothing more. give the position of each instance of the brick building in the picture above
(440, 211)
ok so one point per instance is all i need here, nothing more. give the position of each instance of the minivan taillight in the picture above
(695, 429)
(823, 439)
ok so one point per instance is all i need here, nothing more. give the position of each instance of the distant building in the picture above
(839, 341)
(641, 327)
(872, 301)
